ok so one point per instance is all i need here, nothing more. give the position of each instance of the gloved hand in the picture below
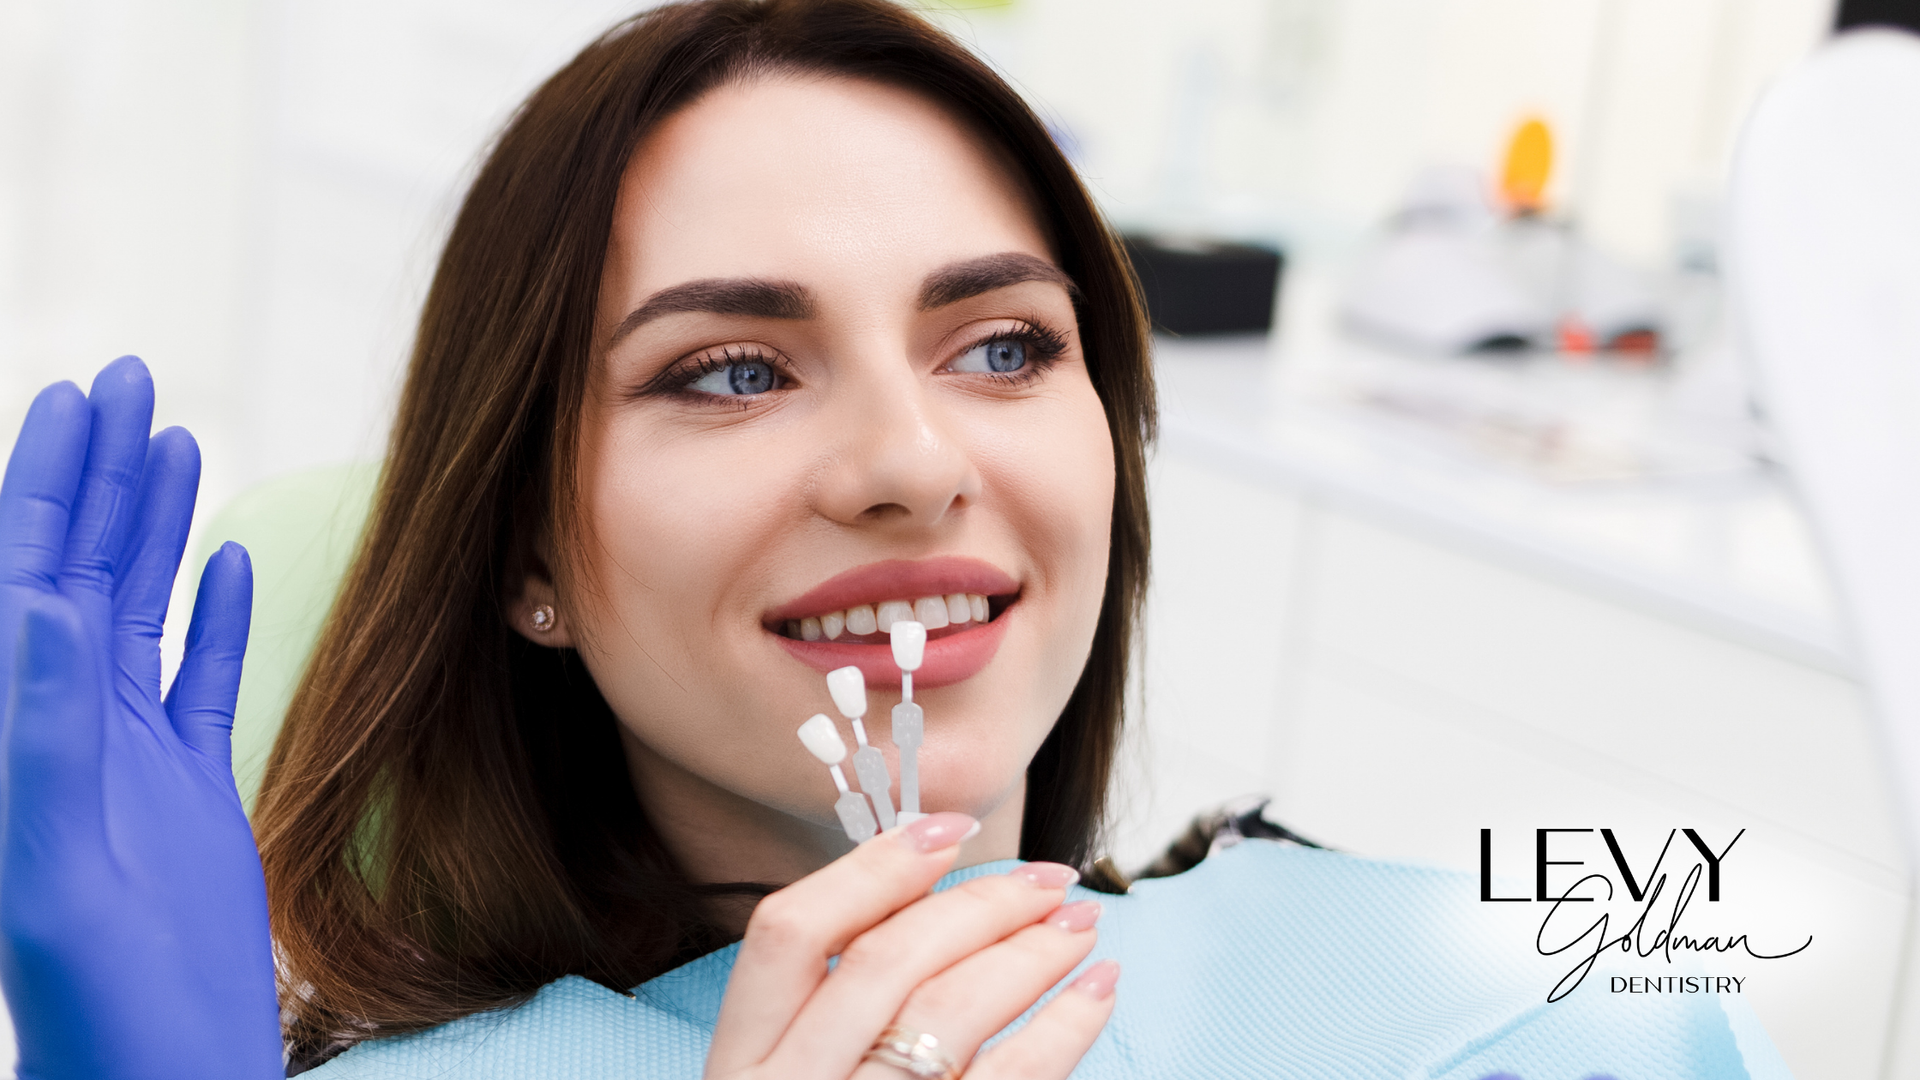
(133, 915)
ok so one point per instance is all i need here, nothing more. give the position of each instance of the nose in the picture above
(895, 458)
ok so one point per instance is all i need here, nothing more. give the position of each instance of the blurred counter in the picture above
(1568, 471)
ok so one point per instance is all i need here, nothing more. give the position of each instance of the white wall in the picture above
(1307, 117)
(249, 193)
(124, 160)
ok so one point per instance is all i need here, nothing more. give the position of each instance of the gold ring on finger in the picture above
(915, 1053)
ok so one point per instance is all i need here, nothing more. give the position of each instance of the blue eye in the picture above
(1000, 356)
(738, 377)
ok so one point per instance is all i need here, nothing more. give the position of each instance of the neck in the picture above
(718, 836)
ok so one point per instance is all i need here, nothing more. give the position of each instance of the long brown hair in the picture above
(446, 821)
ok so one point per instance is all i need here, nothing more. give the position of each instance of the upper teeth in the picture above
(933, 612)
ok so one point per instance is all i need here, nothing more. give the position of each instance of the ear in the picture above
(535, 593)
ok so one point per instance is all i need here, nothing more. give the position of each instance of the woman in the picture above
(758, 315)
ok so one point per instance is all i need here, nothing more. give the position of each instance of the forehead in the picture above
(843, 184)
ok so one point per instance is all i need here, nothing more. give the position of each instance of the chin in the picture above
(959, 778)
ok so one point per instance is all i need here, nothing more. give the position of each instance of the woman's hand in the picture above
(959, 966)
(133, 912)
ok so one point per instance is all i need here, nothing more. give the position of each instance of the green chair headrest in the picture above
(300, 530)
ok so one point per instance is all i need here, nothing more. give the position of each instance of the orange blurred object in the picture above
(1641, 345)
(1523, 183)
(1575, 338)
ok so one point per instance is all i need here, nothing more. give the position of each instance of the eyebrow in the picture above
(971, 277)
(790, 300)
(721, 296)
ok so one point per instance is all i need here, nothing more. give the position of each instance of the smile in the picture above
(869, 624)
(965, 604)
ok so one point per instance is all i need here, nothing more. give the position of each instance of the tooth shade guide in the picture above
(822, 740)
(870, 767)
(848, 686)
(909, 644)
(909, 726)
(849, 689)
(855, 816)
(909, 650)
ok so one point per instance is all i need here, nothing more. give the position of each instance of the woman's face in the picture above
(840, 369)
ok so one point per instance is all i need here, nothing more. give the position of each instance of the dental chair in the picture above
(1823, 260)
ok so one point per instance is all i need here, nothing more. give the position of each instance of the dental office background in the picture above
(1408, 595)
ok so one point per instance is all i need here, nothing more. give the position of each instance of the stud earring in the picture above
(543, 618)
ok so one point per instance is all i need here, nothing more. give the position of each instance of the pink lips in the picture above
(950, 657)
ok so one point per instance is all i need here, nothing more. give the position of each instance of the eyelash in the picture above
(1044, 346)
(678, 380)
(703, 366)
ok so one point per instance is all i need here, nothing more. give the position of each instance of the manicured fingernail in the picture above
(1098, 982)
(939, 831)
(1046, 875)
(1075, 917)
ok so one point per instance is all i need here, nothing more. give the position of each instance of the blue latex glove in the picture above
(133, 915)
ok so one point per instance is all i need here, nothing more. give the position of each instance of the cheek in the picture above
(679, 528)
(1057, 476)
(673, 525)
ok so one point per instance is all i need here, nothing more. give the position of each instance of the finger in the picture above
(43, 476)
(783, 957)
(878, 969)
(1058, 1036)
(142, 592)
(201, 702)
(121, 402)
(970, 1002)
(53, 734)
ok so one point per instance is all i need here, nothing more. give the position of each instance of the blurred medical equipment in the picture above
(1823, 258)
(1197, 286)
(1857, 13)
(1455, 275)
(1439, 280)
